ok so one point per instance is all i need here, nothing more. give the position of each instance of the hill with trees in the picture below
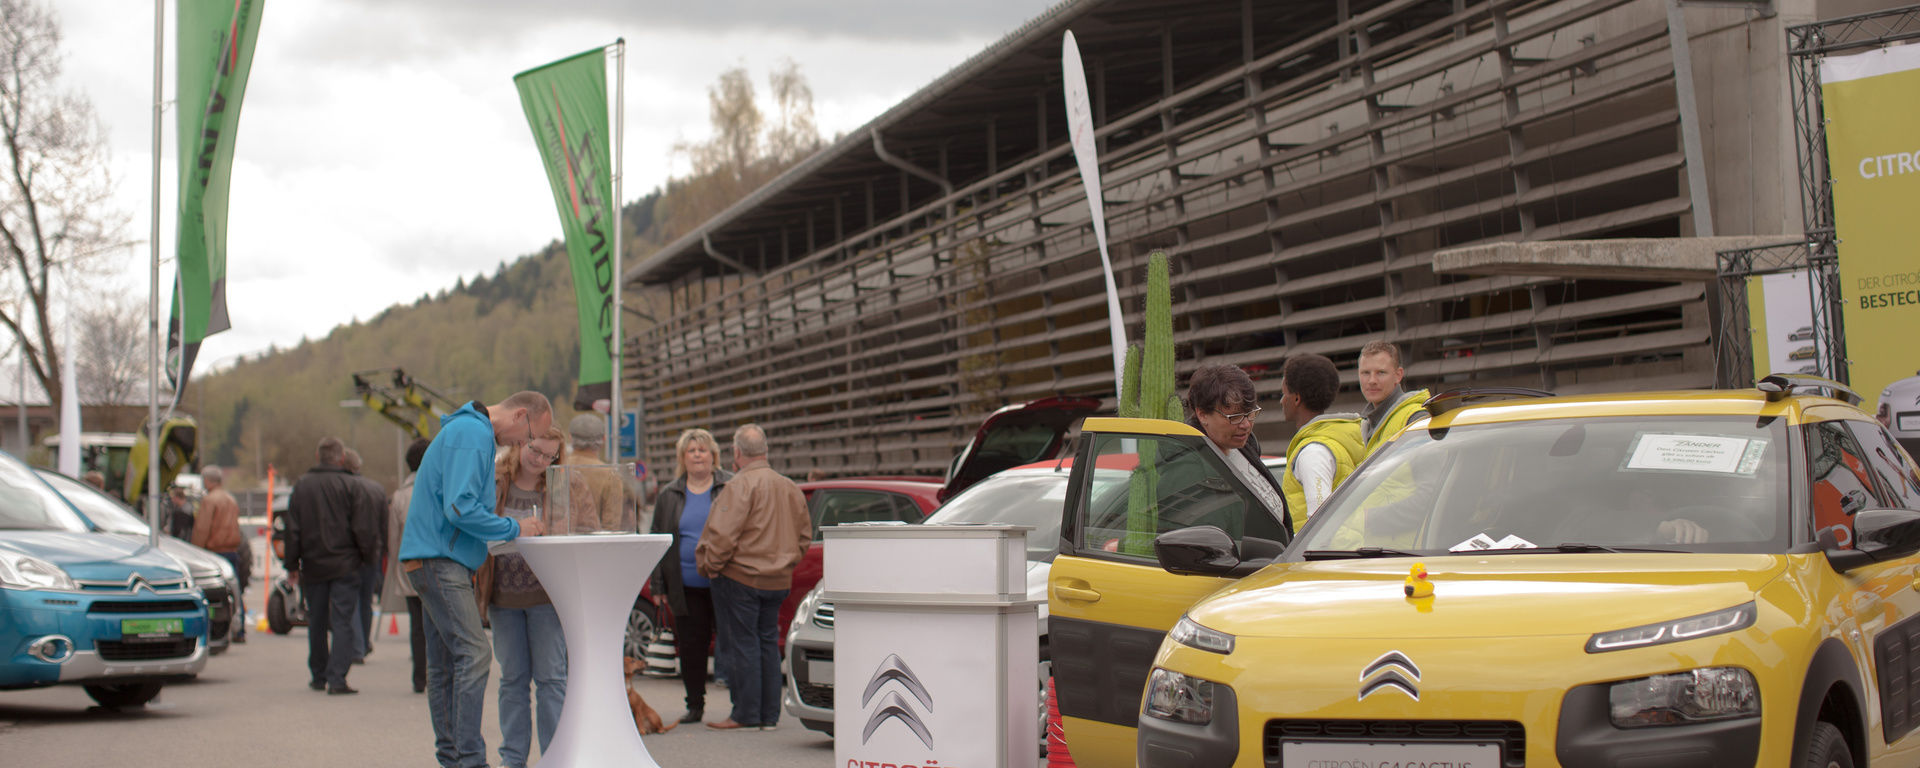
(491, 335)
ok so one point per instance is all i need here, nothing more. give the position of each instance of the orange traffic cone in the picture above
(393, 624)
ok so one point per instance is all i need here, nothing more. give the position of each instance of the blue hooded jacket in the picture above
(451, 514)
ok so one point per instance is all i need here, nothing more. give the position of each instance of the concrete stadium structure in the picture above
(1304, 163)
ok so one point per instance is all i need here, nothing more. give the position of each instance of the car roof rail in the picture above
(1456, 398)
(1777, 386)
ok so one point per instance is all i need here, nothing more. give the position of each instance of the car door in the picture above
(1855, 467)
(1109, 602)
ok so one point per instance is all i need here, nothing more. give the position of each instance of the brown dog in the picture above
(644, 718)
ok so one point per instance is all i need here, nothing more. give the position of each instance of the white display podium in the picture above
(936, 645)
(593, 580)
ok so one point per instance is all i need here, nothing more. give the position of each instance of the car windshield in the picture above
(1711, 484)
(27, 504)
(104, 512)
(1031, 500)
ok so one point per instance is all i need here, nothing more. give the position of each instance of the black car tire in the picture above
(277, 614)
(642, 630)
(133, 695)
(1827, 748)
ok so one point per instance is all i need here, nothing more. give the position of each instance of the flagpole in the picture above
(153, 293)
(619, 229)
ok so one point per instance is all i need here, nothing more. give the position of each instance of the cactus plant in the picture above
(1147, 392)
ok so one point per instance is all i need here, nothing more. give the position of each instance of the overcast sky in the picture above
(382, 151)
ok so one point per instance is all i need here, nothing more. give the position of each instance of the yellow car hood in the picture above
(1484, 595)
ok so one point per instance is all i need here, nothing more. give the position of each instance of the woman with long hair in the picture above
(681, 510)
(527, 639)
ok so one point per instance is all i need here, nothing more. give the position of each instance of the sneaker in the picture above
(769, 727)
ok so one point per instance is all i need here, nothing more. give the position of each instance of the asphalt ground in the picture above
(251, 708)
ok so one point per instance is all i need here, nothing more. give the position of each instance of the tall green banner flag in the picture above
(566, 105)
(216, 52)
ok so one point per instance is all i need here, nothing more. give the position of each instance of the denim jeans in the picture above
(369, 592)
(748, 620)
(532, 652)
(458, 661)
(332, 607)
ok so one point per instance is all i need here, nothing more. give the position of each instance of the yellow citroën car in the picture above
(1678, 578)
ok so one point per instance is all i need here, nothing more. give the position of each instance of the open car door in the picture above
(1109, 601)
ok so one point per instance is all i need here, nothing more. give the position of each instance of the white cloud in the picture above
(382, 151)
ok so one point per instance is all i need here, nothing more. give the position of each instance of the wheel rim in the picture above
(640, 632)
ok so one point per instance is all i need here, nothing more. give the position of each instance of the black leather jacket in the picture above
(330, 531)
(666, 519)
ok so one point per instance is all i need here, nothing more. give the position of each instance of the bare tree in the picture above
(794, 136)
(56, 213)
(110, 356)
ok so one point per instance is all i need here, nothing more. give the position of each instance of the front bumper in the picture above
(90, 623)
(1525, 697)
(808, 695)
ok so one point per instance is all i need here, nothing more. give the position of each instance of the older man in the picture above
(756, 532)
(449, 522)
(216, 528)
(330, 536)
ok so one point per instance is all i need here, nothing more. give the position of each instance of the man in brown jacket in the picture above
(755, 535)
(216, 528)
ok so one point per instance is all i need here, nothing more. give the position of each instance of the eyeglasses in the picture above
(1238, 419)
(542, 455)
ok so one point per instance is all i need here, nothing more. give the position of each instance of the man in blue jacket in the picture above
(450, 521)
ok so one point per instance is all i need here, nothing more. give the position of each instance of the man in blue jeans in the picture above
(451, 517)
(756, 532)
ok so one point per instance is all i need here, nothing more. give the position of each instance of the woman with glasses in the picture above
(527, 639)
(1222, 404)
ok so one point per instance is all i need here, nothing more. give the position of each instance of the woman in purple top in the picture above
(681, 510)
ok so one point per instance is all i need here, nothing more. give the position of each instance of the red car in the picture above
(1009, 437)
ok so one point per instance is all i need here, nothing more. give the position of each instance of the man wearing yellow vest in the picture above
(1325, 446)
(1390, 408)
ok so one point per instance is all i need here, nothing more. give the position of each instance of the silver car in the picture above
(1030, 495)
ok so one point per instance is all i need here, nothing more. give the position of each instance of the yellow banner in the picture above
(1873, 151)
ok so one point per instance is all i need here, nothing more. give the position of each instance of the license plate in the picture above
(820, 672)
(1328, 754)
(152, 629)
(1909, 422)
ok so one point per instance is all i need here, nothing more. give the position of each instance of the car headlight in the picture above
(1190, 634)
(28, 572)
(1697, 696)
(1677, 630)
(1174, 696)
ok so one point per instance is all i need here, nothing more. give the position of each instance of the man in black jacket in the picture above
(329, 539)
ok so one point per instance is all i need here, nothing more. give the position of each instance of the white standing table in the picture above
(593, 580)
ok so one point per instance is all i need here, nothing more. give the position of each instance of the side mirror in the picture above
(1205, 550)
(1878, 535)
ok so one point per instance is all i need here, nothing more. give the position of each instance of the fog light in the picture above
(1174, 696)
(1697, 696)
(53, 649)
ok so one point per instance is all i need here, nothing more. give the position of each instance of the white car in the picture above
(1029, 495)
(1899, 412)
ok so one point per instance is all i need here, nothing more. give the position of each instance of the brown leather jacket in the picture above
(216, 528)
(757, 531)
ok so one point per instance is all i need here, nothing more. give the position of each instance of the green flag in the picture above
(216, 52)
(566, 105)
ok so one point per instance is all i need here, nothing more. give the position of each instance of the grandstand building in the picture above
(1304, 163)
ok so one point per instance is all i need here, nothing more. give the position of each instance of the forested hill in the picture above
(482, 338)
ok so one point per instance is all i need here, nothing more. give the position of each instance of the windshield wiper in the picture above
(1347, 554)
(1578, 547)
